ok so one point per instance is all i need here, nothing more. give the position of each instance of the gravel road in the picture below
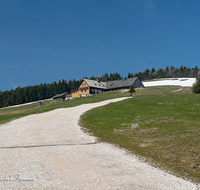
(49, 151)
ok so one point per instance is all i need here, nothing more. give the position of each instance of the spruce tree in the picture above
(196, 86)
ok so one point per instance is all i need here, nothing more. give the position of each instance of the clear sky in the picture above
(48, 40)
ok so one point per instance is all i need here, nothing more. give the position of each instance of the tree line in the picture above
(168, 72)
(36, 92)
(46, 91)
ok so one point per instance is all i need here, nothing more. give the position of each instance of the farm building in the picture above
(88, 87)
(61, 96)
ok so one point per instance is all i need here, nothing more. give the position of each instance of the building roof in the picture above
(60, 95)
(120, 83)
(73, 90)
(95, 84)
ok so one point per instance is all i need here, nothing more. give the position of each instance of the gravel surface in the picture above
(49, 151)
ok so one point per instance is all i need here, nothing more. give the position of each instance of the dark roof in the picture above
(111, 84)
(60, 95)
(120, 83)
(74, 90)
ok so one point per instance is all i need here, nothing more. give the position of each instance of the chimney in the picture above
(97, 80)
(125, 78)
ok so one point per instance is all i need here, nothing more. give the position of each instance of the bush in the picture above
(132, 90)
(196, 86)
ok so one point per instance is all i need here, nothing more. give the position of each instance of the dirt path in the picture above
(49, 151)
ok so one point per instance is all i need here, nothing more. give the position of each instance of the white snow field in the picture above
(184, 82)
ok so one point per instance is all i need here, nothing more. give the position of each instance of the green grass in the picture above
(8, 114)
(163, 128)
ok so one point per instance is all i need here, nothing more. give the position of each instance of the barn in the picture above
(61, 96)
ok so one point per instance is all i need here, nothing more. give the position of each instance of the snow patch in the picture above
(184, 82)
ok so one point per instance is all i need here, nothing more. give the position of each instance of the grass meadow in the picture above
(161, 124)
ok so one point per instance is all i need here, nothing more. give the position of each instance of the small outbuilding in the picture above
(62, 96)
(39, 104)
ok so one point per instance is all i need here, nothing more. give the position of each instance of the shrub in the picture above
(131, 90)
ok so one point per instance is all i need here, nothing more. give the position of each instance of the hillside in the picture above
(161, 124)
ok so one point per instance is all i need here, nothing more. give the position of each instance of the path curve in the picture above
(49, 151)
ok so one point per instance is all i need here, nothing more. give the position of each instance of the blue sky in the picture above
(48, 40)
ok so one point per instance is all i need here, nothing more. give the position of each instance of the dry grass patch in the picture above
(147, 91)
(145, 145)
(183, 79)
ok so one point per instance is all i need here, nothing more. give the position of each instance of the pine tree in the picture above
(196, 86)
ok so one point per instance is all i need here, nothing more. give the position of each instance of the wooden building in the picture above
(88, 87)
(82, 89)
(61, 96)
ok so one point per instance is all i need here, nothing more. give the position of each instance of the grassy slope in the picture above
(8, 114)
(164, 128)
(168, 129)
